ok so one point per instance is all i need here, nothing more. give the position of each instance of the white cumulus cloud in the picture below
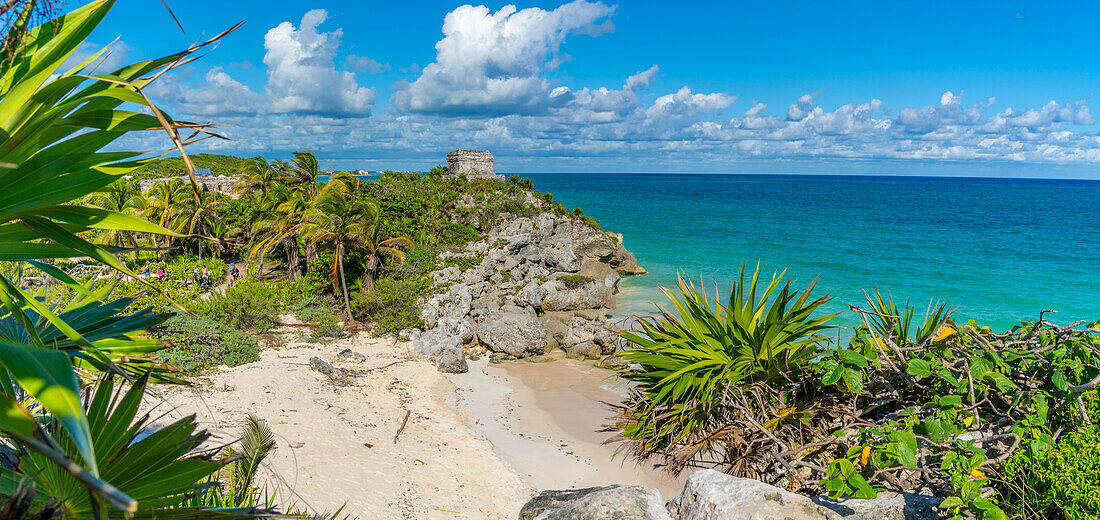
(490, 64)
(302, 78)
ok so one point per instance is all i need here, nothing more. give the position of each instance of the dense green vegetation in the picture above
(174, 166)
(75, 361)
(995, 423)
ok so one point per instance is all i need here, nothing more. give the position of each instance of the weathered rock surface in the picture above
(888, 506)
(537, 274)
(710, 495)
(518, 334)
(598, 503)
(322, 366)
(444, 348)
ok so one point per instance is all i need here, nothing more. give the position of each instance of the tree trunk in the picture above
(343, 283)
(311, 252)
(370, 273)
(292, 258)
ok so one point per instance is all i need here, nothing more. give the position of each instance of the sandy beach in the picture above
(476, 445)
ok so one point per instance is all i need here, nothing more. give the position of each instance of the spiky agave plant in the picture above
(890, 323)
(709, 371)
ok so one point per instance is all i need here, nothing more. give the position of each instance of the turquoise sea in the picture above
(999, 249)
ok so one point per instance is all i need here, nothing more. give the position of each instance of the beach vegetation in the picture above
(463, 262)
(79, 450)
(196, 344)
(995, 424)
(390, 307)
(709, 370)
(574, 281)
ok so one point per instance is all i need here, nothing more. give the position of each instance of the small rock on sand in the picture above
(350, 356)
(322, 366)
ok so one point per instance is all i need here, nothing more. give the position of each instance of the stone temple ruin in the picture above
(474, 164)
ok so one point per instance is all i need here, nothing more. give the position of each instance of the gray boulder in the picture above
(597, 503)
(531, 295)
(429, 313)
(580, 340)
(459, 327)
(322, 366)
(591, 295)
(517, 333)
(516, 243)
(606, 338)
(559, 257)
(478, 273)
(887, 506)
(454, 303)
(589, 242)
(448, 274)
(710, 495)
(443, 349)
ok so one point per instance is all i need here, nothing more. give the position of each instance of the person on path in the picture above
(234, 273)
(205, 279)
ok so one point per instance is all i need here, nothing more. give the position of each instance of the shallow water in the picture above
(999, 249)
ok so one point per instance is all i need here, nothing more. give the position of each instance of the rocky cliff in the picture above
(541, 281)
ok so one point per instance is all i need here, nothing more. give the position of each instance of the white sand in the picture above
(477, 445)
(544, 419)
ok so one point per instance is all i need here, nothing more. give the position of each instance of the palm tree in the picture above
(338, 222)
(257, 176)
(302, 173)
(164, 202)
(201, 218)
(123, 196)
(282, 213)
(377, 246)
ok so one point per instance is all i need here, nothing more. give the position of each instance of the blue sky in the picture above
(985, 88)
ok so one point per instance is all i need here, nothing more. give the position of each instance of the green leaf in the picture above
(951, 503)
(1004, 384)
(855, 358)
(946, 401)
(48, 376)
(907, 448)
(16, 419)
(994, 513)
(1059, 380)
(853, 379)
(918, 368)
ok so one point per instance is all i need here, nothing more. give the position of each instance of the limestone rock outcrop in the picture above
(598, 503)
(532, 284)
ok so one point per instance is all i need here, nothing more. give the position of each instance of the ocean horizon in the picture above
(999, 249)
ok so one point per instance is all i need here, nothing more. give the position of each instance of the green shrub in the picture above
(318, 313)
(254, 305)
(391, 307)
(1063, 482)
(196, 344)
(573, 281)
(463, 262)
(182, 267)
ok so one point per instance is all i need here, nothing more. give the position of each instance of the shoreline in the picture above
(477, 445)
(526, 408)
